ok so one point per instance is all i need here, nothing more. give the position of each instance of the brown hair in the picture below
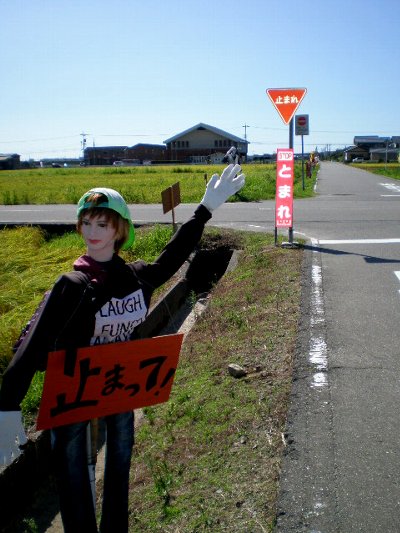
(110, 216)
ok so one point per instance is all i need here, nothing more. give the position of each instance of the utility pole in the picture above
(245, 136)
(291, 128)
(83, 143)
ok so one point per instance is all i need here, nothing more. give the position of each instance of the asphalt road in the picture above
(341, 472)
(342, 467)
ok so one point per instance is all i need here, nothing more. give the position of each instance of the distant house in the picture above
(104, 155)
(10, 161)
(107, 155)
(147, 152)
(353, 152)
(370, 141)
(203, 143)
(384, 155)
(373, 148)
(396, 140)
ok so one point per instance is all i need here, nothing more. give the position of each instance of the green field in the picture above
(391, 170)
(138, 185)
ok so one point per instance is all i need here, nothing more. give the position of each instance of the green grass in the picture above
(29, 265)
(391, 170)
(209, 459)
(137, 184)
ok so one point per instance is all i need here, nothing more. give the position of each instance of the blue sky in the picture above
(130, 71)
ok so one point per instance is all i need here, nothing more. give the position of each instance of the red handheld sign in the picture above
(108, 379)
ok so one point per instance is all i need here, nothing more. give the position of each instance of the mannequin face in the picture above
(99, 236)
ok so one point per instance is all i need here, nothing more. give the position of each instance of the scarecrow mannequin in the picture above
(102, 301)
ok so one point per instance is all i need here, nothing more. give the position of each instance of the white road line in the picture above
(317, 354)
(359, 241)
(391, 186)
(397, 274)
(318, 403)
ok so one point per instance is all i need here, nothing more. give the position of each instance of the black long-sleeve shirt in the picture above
(88, 307)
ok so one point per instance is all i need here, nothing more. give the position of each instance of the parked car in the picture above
(127, 163)
(358, 160)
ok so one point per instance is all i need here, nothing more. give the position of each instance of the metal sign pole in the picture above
(291, 127)
(302, 161)
(291, 138)
(291, 133)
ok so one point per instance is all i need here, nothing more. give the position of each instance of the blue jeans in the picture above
(72, 475)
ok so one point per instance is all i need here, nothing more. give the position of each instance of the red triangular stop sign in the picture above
(286, 101)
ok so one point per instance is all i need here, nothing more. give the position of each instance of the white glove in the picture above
(12, 435)
(219, 189)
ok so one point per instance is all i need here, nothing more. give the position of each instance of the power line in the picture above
(353, 132)
(129, 134)
(76, 135)
(39, 140)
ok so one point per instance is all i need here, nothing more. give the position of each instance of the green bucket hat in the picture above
(114, 202)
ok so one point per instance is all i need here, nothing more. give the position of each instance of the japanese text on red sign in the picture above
(108, 379)
(284, 188)
(287, 99)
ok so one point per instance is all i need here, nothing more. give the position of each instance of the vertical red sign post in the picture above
(284, 191)
(286, 101)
